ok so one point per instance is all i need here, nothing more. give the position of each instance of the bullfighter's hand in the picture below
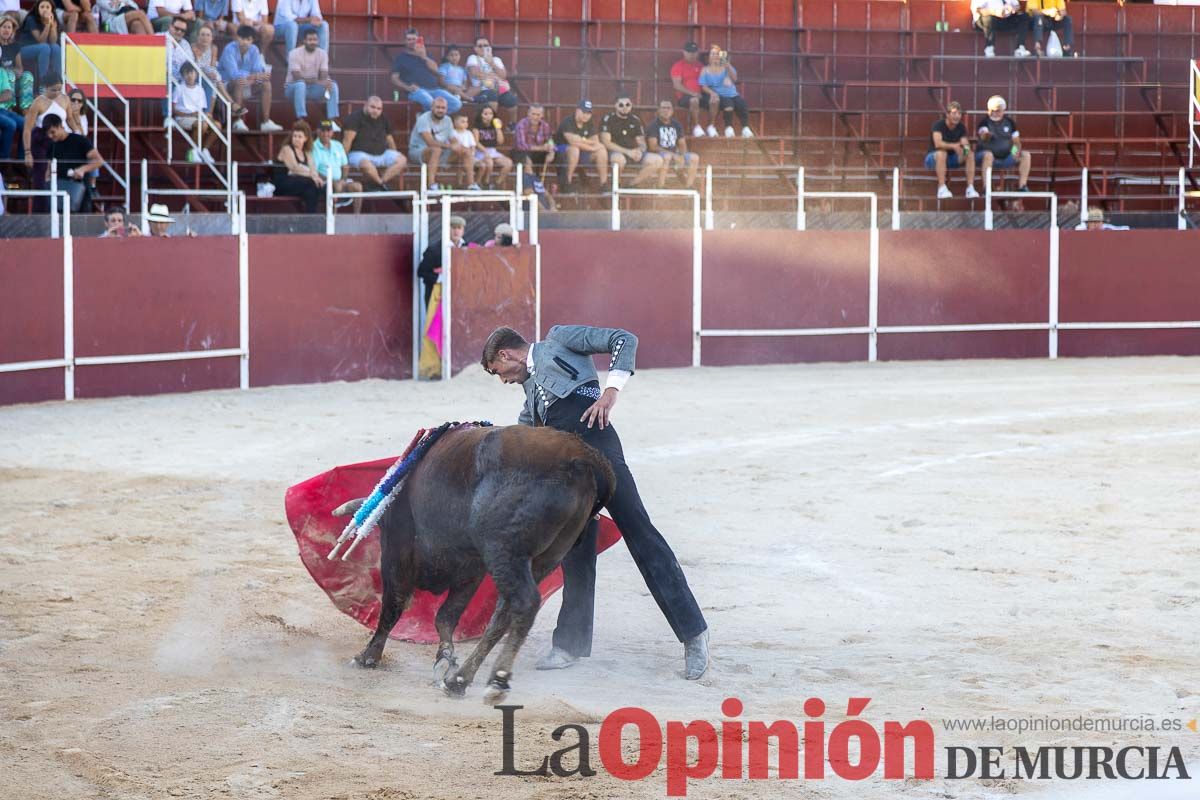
(601, 409)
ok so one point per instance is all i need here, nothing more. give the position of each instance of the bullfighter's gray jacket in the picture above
(562, 362)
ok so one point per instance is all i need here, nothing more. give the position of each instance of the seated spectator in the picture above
(454, 76)
(11, 122)
(685, 76)
(308, 78)
(1000, 143)
(207, 58)
(991, 16)
(329, 158)
(503, 235)
(76, 157)
(1094, 221)
(10, 62)
(371, 147)
(666, 137)
(115, 226)
(296, 175)
(1051, 14)
(294, 17)
(951, 150)
(534, 145)
(50, 103)
(78, 105)
(254, 13)
(160, 220)
(490, 78)
(432, 141)
(193, 111)
(74, 14)
(416, 74)
(430, 268)
(39, 42)
(489, 135)
(180, 51)
(719, 81)
(622, 135)
(164, 12)
(123, 16)
(464, 148)
(244, 72)
(215, 14)
(577, 141)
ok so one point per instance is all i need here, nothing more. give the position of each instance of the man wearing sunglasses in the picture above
(622, 135)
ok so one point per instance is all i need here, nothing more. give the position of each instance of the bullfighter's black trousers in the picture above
(653, 556)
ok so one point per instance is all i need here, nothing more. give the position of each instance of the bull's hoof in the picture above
(441, 668)
(367, 660)
(455, 686)
(495, 694)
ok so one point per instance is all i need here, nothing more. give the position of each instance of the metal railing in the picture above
(99, 116)
(227, 175)
(236, 220)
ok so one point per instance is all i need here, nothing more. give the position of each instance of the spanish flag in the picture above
(136, 65)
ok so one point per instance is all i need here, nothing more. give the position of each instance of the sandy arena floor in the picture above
(957, 539)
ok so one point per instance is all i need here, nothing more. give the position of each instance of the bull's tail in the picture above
(602, 473)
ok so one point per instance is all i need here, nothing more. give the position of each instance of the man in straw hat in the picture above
(160, 220)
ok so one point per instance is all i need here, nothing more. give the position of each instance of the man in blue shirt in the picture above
(416, 74)
(243, 70)
(331, 163)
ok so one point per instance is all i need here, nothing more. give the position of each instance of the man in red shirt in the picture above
(685, 75)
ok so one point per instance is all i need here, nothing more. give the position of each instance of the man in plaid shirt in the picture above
(534, 144)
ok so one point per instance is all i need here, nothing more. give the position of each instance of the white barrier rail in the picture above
(227, 175)
(231, 207)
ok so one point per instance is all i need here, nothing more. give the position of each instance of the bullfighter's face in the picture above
(510, 366)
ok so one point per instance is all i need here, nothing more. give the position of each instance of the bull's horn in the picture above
(349, 507)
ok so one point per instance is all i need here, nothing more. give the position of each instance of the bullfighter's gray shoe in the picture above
(557, 658)
(695, 656)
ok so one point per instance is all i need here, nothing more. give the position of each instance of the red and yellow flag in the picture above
(136, 65)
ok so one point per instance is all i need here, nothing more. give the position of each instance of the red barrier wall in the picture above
(330, 308)
(31, 317)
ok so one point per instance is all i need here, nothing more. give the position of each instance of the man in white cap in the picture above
(160, 220)
(1094, 221)
(1000, 143)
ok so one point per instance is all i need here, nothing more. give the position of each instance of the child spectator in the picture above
(193, 111)
(465, 148)
(454, 76)
(489, 134)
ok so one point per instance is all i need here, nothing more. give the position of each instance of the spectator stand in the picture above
(79, 69)
(225, 175)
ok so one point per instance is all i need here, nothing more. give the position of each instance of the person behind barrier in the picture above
(160, 220)
(665, 137)
(430, 268)
(951, 150)
(329, 158)
(577, 141)
(685, 77)
(371, 147)
(1051, 14)
(297, 175)
(562, 391)
(115, 226)
(76, 158)
(1000, 143)
(622, 134)
(990, 16)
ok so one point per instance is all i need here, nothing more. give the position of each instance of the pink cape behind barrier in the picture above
(354, 585)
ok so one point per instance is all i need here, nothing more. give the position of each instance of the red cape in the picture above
(354, 585)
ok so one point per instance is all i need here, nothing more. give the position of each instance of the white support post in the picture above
(519, 225)
(237, 223)
(616, 196)
(446, 280)
(1052, 344)
(1181, 217)
(424, 178)
(514, 215)
(329, 224)
(418, 311)
(1083, 200)
(243, 293)
(68, 306)
(987, 194)
(801, 215)
(1193, 111)
(145, 193)
(54, 226)
(697, 279)
(895, 198)
(535, 242)
(708, 198)
(873, 284)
